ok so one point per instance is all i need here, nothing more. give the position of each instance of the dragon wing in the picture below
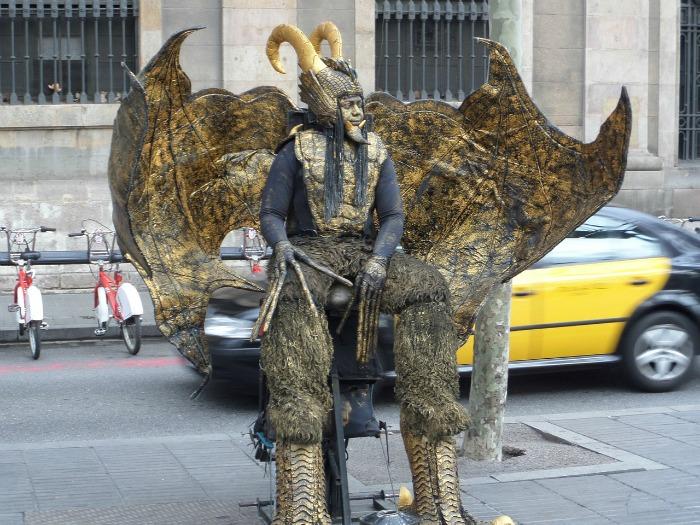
(490, 187)
(184, 170)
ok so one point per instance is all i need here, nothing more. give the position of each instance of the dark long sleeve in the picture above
(278, 194)
(389, 208)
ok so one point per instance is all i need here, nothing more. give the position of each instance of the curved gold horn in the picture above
(329, 32)
(306, 54)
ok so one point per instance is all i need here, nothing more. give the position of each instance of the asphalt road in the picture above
(96, 390)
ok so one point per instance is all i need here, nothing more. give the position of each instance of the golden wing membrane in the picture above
(184, 171)
(491, 187)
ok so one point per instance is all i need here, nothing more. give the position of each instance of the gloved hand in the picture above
(284, 253)
(368, 289)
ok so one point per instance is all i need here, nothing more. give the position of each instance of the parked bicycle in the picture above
(113, 298)
(27, 302)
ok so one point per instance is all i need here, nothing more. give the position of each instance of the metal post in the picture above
(386, 16)
(27, 63)
(411, 18)
(96, 14)
(472, 43)
(82, 13)
(68, 13)
(55, 98)
(448, 45)
(423, 19)
(110, 55)
(122, 14)
(399, 16)
(41, 97)
(436, 55)
(13, 78)
(461, 15)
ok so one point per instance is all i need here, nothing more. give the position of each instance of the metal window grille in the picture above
(427, 49)
(689, 114)
(62, 52)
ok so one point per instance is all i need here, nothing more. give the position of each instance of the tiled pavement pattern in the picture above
(199, 480)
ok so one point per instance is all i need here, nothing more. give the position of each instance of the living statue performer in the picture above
(474, 195)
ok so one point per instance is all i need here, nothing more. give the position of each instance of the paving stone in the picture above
(529, 502)
(11, 518)
(605, 495)
(677, 487)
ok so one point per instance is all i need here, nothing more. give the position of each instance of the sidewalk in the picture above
(71, 316)
(651, 476)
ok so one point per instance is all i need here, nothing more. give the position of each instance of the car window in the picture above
(602, 239)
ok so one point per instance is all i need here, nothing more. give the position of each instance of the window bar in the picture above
(122, 14)
(399, 16)
(385, 19)
(2, 95)
(460, 23)
(13, 57)
(96, 14)
(82, 13)
(41, 97)
(448, 46)
(26, 15)
(485, 55)
(423, 19)
(411, 18)
(472, 44)
(436, 55)
(55, 98)
(68, 13)
(135, 14)
(111, 97)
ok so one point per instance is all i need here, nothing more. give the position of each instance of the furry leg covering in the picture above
(427, 383)
(296, 357)
(301, 490)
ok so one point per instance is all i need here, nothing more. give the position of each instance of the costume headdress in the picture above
(323, 79)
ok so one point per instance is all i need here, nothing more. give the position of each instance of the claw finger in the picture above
(361, 323)
(275, 298)
(264, 308)
(323, 269)
(346, 314)
(369, 329)
(304, 286)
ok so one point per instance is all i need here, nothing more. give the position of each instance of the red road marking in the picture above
(136, 362)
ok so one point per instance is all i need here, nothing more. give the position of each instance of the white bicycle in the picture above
(27, 302)
(114, 299)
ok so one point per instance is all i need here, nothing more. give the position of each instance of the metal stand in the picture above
(339, 498)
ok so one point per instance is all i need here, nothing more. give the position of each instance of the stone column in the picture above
(246, 26)
(150, 30)
(622, 48)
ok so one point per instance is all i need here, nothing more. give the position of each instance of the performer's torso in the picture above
(310, 150)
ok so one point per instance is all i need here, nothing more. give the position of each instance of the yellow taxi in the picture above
(624, 287)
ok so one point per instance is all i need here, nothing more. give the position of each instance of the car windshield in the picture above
(601, 239)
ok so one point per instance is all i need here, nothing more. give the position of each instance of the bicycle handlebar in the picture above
(46, 229)
(76, 234)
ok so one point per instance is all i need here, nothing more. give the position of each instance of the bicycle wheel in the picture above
(131, 334)
(34, 338)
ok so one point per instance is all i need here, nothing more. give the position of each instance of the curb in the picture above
(77, 333)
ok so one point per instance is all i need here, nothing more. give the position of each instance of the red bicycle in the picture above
(114, 298)
(27, 302)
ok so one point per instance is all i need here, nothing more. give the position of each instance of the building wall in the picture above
(53, 159)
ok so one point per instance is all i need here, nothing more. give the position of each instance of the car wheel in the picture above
(658, 351)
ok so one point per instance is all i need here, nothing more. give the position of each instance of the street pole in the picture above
(483, 440)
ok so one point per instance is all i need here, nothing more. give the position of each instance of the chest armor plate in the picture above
(310, 149)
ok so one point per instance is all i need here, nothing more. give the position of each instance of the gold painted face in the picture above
(351, 109)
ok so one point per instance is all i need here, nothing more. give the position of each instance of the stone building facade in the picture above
(575, 56)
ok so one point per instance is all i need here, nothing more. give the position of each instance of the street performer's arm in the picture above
(389, 210)
(277, 195)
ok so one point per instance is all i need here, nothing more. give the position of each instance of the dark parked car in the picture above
(623, 288)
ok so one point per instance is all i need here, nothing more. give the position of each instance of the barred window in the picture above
(55, 52)
(427, 49)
